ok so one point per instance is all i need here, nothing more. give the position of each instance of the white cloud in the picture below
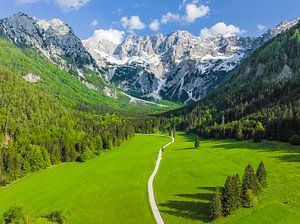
(220, 29)
(261, 27)
(67, 5)
(132, 23)
(194, 12)
(169, 17)
(71, 4)
(154, 25)
(94, 22)
(115, 36)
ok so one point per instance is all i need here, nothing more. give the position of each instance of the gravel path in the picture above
(151, 196)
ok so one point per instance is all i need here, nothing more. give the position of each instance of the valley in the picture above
(112, 188)
(91, 95)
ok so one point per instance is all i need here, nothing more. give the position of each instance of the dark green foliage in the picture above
(249, 182)
(261, 175)
(235, 196)
(216, 205)
(250, 199)
(228, 197)
(38, 131)
(237, 190)
(59, 216)
(197, 142)
(295, 139)
(260, 100)
(14, 215)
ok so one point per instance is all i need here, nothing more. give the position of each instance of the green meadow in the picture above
(188, 177)
(111, 188)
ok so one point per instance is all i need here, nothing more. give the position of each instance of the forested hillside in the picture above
(48, 116)
(91, 97)
(260, 100)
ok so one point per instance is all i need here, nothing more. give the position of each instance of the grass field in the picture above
(187, 179)
(111, 188)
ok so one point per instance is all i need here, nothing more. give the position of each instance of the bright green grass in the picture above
(111, 188)
(187, 178)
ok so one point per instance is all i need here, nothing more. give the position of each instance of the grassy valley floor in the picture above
(111, 188)
(188, 177)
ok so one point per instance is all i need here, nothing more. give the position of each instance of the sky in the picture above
(114, 19)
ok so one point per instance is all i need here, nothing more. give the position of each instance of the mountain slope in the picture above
(265, 89)
(178, 67)
(36, 43)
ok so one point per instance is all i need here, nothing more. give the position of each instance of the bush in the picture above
(59, 216)
(14, 215)
(295, 140)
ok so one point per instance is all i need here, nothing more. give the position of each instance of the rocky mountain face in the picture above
(178, 67)
(54, 39)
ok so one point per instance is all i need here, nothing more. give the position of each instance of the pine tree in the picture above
(250, 199)
(216, 205)
(197, 142)
(228, 197)
(237, 191)
(249, 182)
(261, 175)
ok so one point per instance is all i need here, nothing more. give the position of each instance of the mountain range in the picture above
(178, 67)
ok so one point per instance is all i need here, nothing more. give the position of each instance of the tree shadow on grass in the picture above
(198, 209)
(199, 196)
(187, 209)
(289, 153)
(186, 148)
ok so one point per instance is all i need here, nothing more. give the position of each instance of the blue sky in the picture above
(248, 17)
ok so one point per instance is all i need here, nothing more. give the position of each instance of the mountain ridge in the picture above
(160, 66)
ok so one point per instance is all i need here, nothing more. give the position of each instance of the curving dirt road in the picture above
(151, 196)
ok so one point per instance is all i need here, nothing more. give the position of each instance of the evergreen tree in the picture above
(216, 205)
(228, 206)
(261, 174)
(237, 191)
(249, 182)
(250, 199)
(197, 142)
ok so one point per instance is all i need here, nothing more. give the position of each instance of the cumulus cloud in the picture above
(194, 12)
(67, 5)
(132, 23)
(261, 27)
(169, 17)
(154, 25)
(114, 36)
(220, 29)
(94, 22)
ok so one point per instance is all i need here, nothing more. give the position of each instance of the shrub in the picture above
(14, 215)
(295, 140)
(59, 216)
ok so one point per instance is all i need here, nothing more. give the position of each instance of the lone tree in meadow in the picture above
(228, 206)
(249, 182)
(197, 142)
(216, 205)
(261, 175)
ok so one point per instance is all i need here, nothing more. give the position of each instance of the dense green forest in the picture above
(37, 131)
(57, 119)
(260, 100)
